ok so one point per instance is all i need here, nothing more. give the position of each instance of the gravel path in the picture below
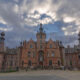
(41, 75)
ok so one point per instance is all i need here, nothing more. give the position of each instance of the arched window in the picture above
(29, 54)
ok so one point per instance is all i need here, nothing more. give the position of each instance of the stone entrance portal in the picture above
(41, 58)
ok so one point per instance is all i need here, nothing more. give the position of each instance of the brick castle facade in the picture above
(39, 53)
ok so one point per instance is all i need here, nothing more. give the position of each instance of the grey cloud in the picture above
(20, 26)
(9, 16)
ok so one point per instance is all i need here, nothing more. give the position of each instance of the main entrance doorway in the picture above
(41, 58)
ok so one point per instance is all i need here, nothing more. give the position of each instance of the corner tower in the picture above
(79, 38)
(2, 41)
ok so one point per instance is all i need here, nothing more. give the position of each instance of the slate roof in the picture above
(11, 51)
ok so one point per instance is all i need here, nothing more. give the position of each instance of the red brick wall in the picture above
(72, 58)
(1, 60)
(46, 49)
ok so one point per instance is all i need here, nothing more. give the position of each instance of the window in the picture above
(31, 46)
(79, 56)
(11, 63)
(47, 54)
(50, 45)
(4, 57)
(34, 54)
(22, 63)
(40, 46)
(3, 64)
(29, 63)
(29, 54)
(15, 63)
(41, 56)
(0, 45)
(40, 36)
(50, 62)
(58, 63)
(71, 63)
(40, 42)
(52, 54)
(11, 57)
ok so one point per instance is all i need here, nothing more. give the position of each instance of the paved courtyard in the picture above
(41, 75)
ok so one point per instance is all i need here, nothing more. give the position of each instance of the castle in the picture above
(39, 53)
(72, 55)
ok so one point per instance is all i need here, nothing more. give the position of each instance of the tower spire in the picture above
(41, 29)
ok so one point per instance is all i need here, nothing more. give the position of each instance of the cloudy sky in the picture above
(20, 20)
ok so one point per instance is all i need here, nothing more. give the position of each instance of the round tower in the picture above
(2, 35)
